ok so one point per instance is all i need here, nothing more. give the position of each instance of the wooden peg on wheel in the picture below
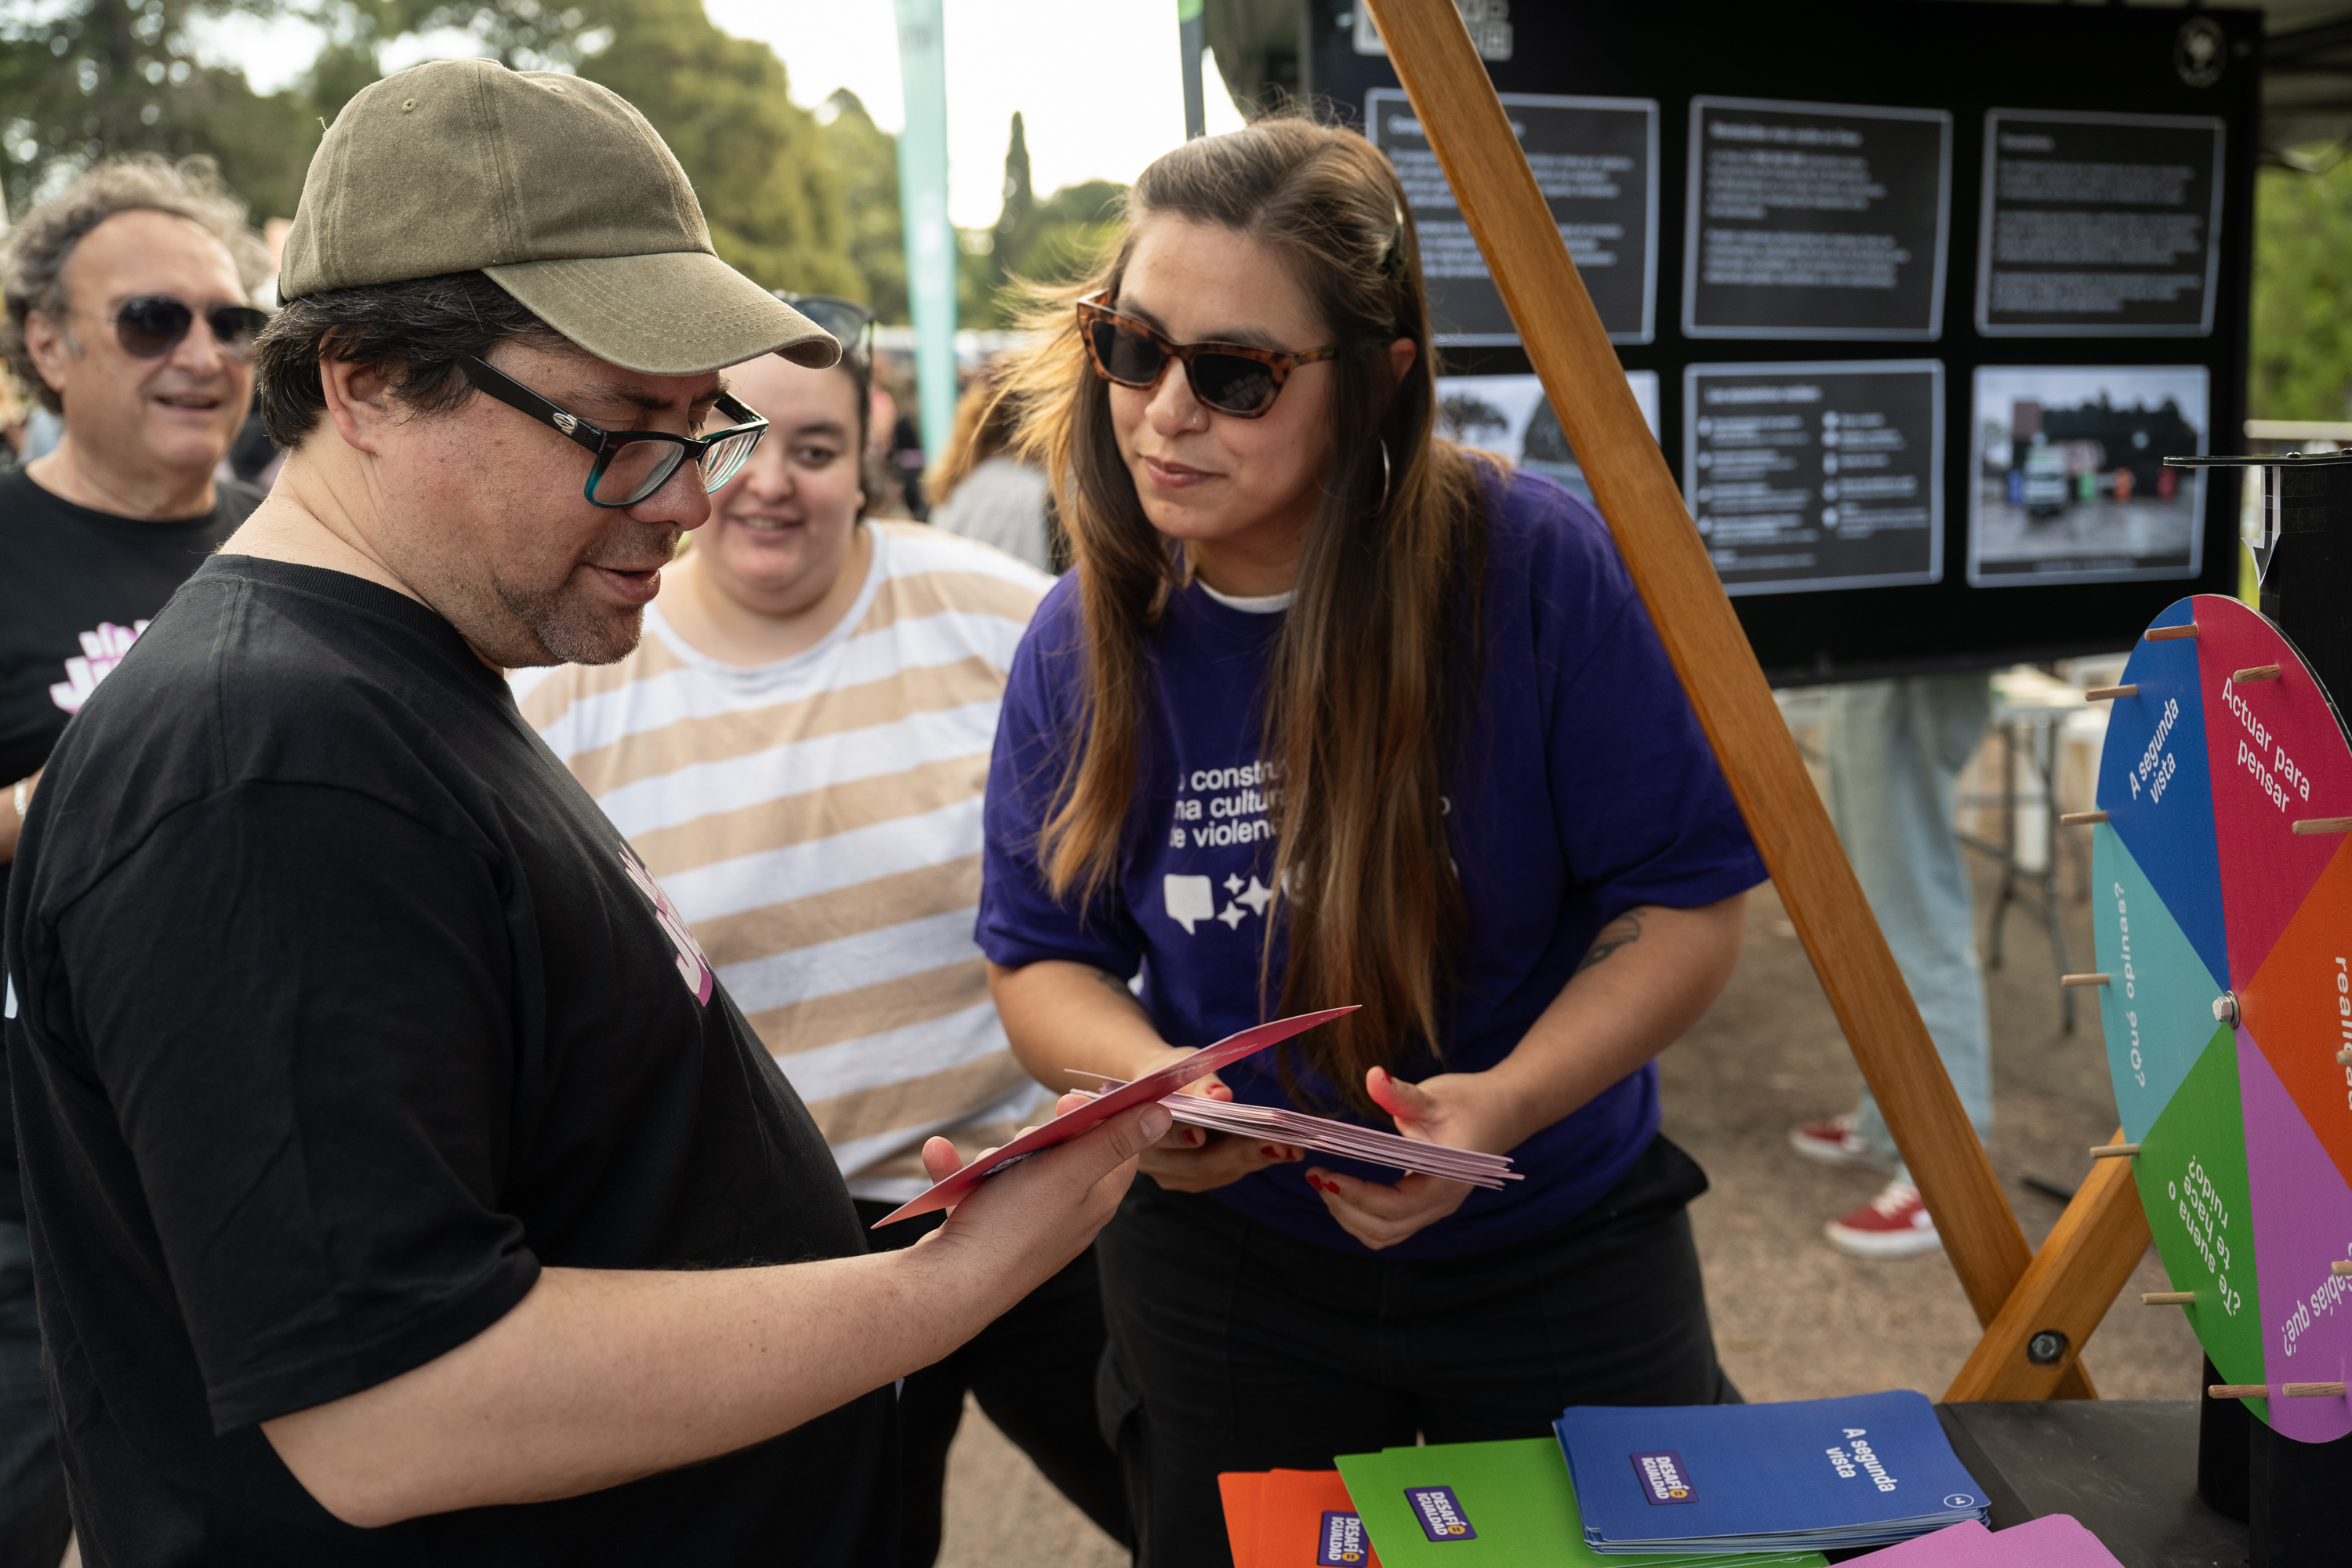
(2103, 693)
(2253, 673)
(2308, 826)
(2113, 1151)
(2312, 1390)
(2167, 1298)
(2081, 818)
(2238, 1391)
(2168, 633)
(2099, 979)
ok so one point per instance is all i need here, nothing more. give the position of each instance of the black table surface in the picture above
(2125, 1469)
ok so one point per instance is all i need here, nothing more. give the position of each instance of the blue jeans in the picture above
(1895, 749)
(33, 1522)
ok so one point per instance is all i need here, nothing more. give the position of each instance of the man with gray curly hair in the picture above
(128, 312)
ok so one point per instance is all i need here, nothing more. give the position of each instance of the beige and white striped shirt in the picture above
(817, 821)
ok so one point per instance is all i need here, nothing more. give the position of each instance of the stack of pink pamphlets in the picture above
(1325, 1136)
(946, 1192)
(2054, 1541)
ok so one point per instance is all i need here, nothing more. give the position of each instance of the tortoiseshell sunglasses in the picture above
(1230, 378)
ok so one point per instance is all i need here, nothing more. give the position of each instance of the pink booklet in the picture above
(2054, 1541)
(945, 1192)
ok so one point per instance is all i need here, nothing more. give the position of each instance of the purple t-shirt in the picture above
(1581, 786)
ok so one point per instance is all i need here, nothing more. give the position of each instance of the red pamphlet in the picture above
(945, 1192)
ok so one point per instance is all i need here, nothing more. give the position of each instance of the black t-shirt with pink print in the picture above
(76, 587)
(338, 1011)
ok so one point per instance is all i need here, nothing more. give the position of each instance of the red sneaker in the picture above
(1895, 1223)
(1835, 1143)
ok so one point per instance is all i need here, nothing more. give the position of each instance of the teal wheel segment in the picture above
(2157, 1007)
(2157, 790)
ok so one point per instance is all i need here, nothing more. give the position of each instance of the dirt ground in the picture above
(1792, 1319)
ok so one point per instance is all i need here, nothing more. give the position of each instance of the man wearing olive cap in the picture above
(403, 1184)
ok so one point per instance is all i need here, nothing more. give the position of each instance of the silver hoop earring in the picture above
(1383, 502)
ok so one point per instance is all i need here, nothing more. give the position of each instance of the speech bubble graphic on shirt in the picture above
(1189, 899)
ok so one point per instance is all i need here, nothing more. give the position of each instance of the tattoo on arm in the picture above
(1622, 931)
(1116, 984)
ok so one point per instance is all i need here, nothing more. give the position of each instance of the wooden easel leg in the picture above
(2064, 1291)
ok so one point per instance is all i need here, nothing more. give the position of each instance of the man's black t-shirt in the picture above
(75, 585)
(339, 1010)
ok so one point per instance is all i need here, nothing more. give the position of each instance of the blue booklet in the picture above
(1809, 1474)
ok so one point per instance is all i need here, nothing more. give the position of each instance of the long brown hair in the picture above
(1370, 669)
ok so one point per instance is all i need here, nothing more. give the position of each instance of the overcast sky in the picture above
(1096, 80)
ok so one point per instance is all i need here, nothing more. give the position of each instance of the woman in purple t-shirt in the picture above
(1327, 712)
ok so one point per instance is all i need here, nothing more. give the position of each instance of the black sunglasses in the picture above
(1231, 378)
(152, 327)
(850, 322)
(631, 464)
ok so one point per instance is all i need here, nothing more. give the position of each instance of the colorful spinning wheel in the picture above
(2222, 902)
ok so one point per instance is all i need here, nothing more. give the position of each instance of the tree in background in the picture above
(90, 78)
(84, 78)
(866, 163)
(1020, 197)
(2300, 366)
(1053, 241)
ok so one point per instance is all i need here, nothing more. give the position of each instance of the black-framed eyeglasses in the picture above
(152, 326)
(631, 464)
(851, 323)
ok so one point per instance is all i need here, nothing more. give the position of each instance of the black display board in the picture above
(1596, 162)
(2007, 247)
(1807, 476)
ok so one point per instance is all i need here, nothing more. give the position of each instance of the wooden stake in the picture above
(2167, 1298)
(2248, 676)
(2099, 979)
(2081, 818)
(2312, 1390)
(2115, 1151)
(2311, 824)
(2166, 634)
(1454, 101)
(2238, 1391)
(2102, 693)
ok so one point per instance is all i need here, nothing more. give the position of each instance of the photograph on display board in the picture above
(1509, 416)
(2099, 225)
(1815, 220)
(2068, 480)
(1596, 162)
(1803, 478)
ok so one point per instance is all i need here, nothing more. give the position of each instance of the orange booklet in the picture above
(1292, 1518)
(1241, 1491)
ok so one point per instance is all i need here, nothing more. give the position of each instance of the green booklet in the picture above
(1507, 1505)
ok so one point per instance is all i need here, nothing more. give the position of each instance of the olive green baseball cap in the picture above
(559, 191)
